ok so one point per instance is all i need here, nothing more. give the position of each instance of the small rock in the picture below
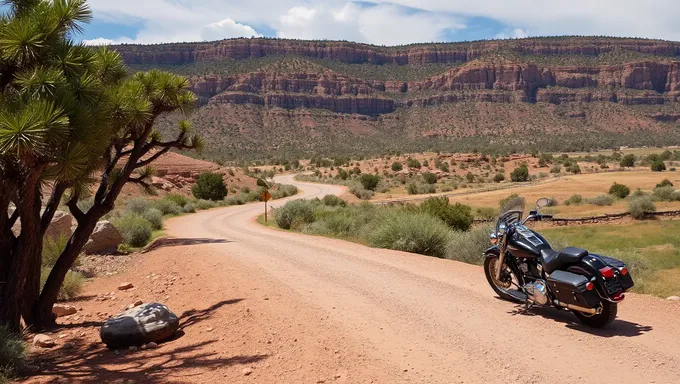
(337, 375)
(68, 345)
(125, 286)
(138, 303)
(63, 335)
(247, 371)
(152, 345)
(43, 341)
(320, 381)
(210, 329)
(673, 298)
(132, 348)
(61, 310)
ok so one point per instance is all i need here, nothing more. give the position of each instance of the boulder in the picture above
(60, 226)
(104, 240)
(61, 310)
(140, 325)
(43, 341)
(673, 298)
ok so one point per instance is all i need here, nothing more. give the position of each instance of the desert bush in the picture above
(413, 163)
(13, 354)
(205, 204)
(369, 182)
(134, 228)
(486, 213)
(430, 178)
(658, 166)
(639, 207)
(553, 202)
(520, 174)
(619, 190)
(261, 183)
(155, 217)
(420, 189)
(574, 200)
(70, 288)
(574, 168)
(177, 199)
(295, 213)
(664, 183)
(469, 246)
(602, 200)
(189, 208)
(627, 161)
(333, 201)
(167, 207)
(361, 193)
(283, 190)
(209, 186)
(137, 205)
(397, 166)
(637, 193)
(556, 168)
(411, 232)
(504, 201)
(456, 216)
(665, 194)
(498, 177)
(52, 249)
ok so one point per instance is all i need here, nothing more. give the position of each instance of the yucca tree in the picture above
(73, 125)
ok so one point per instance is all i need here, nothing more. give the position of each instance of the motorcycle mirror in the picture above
(543, 202)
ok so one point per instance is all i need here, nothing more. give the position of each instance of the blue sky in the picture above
(383, 22)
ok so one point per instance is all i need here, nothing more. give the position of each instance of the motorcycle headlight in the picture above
(502, 228)
(493, 238)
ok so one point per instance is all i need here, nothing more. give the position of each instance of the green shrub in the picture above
(574, 168)
(412, 189)
(520, 174)
(209, 186)
(333, 201)
(556, 168)
(619, 190)
(413, 163)
(261, 183)
(658, 166)
(628, 161)
(13, 353)
(498, 177)
(602, 200)
(574, 200)
(137, 205)
(553, 202)
(52, 249)
(167, 207)
(397, 166)
(456, 216)
(664, 183)
(639, 207)
(486, 213)
(430, 178)
(284, 190)
(469, 246)
(369, 182)
(665, 194)
(504, 201)
(361, 193)
(294, 213)
(637, 193)
(70, 288)
(189, 208)
(177, 199)
(411, 232)
(136, 230)
(155, 217)
(205, 204)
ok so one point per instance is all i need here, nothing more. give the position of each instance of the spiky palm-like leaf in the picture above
(71, 164)
(40, 83)
(109, 66)
(32, 131)
(22, 42)
(71, 14)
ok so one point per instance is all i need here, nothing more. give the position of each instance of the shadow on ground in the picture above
(166, 242)
(619, 327)
(87, 362)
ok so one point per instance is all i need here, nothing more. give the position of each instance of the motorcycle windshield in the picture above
(511, 212)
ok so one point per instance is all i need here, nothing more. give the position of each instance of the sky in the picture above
(381, 22)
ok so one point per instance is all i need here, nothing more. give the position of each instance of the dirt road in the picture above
(415, 319)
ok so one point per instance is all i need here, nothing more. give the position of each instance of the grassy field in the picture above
(651, 247)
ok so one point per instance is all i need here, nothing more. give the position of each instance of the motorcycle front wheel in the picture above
(505, 283)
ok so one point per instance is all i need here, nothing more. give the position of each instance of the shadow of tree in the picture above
(617, 328)
(177, 242)
(88, 362)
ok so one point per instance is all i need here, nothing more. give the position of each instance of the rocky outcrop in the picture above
(355, 53)
(104, 240)
(140, 325)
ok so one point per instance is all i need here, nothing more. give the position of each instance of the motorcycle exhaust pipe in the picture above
(590, 311)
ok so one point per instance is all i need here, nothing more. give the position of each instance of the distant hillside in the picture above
(289, 98)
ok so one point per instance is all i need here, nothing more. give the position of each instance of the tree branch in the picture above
(52, 205)
(72, 205)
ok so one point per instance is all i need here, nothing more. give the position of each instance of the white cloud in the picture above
(386, 21)
(516, 33)
(226, 29)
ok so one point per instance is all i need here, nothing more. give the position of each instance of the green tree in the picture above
(369, 182)
(71, 121)
(658, 166)
(210, 186)
(413, 163)
(619, 190)
(397, 166)
(627, 161)
(520, 174)
(457, 216)
(430, 178)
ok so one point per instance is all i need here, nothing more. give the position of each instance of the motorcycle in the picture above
(522, 267)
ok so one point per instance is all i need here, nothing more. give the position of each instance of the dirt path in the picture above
(301, 309)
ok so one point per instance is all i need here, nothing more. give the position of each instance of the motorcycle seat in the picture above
(554, 260)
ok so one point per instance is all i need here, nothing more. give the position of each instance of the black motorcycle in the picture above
(522, 267)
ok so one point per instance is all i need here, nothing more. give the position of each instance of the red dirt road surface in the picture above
(264, 306)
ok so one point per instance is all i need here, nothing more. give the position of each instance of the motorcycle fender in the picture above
(493, 251)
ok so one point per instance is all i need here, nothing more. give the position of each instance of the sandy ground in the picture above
(300, 309)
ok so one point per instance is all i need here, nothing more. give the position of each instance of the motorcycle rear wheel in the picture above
(506, 281)
(602, 319)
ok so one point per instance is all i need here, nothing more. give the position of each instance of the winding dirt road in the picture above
(391, 317)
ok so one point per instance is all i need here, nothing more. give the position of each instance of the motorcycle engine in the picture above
(537, 291)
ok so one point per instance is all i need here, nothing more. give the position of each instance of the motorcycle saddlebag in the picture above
(570, 288)
(626, 280)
